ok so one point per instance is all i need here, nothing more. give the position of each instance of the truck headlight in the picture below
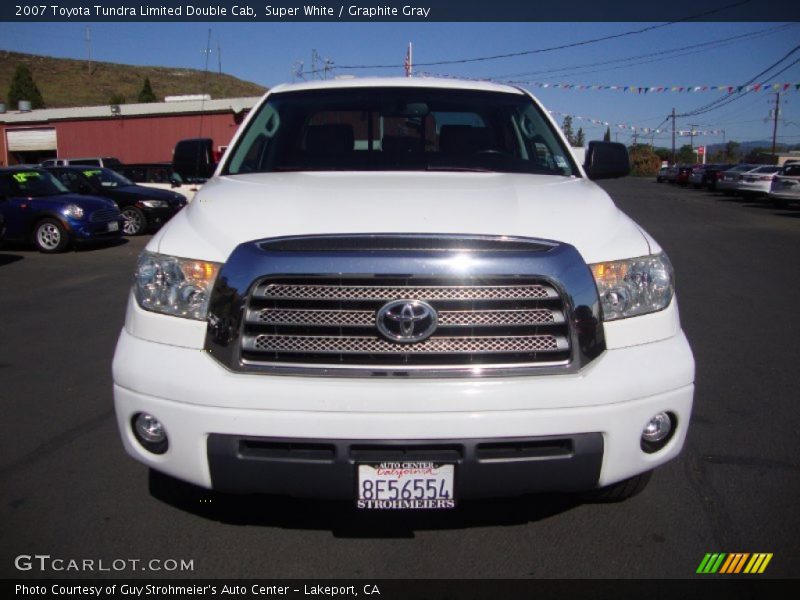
(74, 211)
(634, 286)
(174, 286)
(155, 203)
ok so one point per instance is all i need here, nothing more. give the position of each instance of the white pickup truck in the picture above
(406, 293)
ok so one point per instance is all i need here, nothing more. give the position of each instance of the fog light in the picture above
(150, 433)
(658, 432)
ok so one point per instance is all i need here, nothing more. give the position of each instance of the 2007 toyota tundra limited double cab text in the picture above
(406, 293)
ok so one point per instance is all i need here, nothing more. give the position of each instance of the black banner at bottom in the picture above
(395, 589)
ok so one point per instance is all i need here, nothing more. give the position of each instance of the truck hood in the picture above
(231, 210)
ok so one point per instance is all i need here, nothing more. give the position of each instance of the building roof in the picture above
(45, 115)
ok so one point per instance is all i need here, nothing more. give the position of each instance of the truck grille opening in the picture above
(333, 321)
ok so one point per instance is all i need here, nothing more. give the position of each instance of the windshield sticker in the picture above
(24, 177)
(560, 161)
(92, 173)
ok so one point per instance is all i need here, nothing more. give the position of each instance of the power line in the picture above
(727, 100)
(703, 45)
(552, 48)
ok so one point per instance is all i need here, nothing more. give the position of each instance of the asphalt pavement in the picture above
(68, 490)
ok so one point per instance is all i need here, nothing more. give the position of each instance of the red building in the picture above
(131, 132)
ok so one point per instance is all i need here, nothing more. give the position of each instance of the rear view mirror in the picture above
(607, 160)
(407, 110)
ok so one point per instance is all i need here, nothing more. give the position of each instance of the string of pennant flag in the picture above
(636, 89)
(640, 89)
(636, 128)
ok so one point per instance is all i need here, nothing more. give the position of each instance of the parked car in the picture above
(404, 293)
(671, 174)
(706, 175)
(682, 176)
(37, 207)
(756, 182)
(713, 173)
(95, 161)
(2, 226)
(142, 208)
(729, 180)
(662, 174)
(697, 176)
(785, 186)
(159, 176)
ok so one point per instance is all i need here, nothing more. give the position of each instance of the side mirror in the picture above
(606, 160)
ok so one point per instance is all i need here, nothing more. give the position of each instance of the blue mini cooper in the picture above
(37, 207)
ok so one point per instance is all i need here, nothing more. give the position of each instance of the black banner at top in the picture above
(275, 11)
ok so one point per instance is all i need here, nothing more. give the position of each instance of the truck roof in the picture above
(409, 82)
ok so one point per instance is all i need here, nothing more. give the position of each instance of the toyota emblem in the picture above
(407, 321)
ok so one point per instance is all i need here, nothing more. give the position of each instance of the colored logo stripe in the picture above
(723, 563)
(758, 563)
(711, 563)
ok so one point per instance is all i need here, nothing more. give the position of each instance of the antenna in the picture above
(219, 57)
(297, 71)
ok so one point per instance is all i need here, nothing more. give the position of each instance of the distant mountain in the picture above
(745, 147)
(66, 82)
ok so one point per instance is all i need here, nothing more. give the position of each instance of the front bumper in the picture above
(156, 217)
(88, 231)
(209, 411)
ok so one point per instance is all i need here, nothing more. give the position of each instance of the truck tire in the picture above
(50, 237)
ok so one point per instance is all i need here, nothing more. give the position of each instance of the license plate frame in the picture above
(405, 485)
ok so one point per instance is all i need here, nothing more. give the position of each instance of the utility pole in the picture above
(673, 136)
(691, 135)
(219, 58)
(89, 47)
(775, 121)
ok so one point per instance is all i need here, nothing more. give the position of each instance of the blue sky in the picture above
(266, 52)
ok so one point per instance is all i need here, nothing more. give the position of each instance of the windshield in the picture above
(395, 129)
(107, 178)
(32, 184)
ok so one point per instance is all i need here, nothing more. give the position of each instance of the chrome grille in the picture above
(362, 345)
(331, 321)
(364, 318)
(104, 214)
(429, 293)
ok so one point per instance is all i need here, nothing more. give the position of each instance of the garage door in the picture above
(28, 140)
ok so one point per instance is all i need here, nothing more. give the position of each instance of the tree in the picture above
(607, 136)
(146, 94)
(566, 127)
(665, 154)
(580, 138)
(732, 151)
(117, 99)
(686, 155)
(24, 88)
(644, 162)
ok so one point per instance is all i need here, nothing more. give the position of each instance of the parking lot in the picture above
(69, 490)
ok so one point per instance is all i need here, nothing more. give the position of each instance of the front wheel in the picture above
(50, 236)
(135, 221)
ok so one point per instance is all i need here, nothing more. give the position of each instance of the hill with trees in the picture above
(65, 82)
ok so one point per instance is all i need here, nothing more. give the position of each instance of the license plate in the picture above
(113, 226)
(405, 485)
